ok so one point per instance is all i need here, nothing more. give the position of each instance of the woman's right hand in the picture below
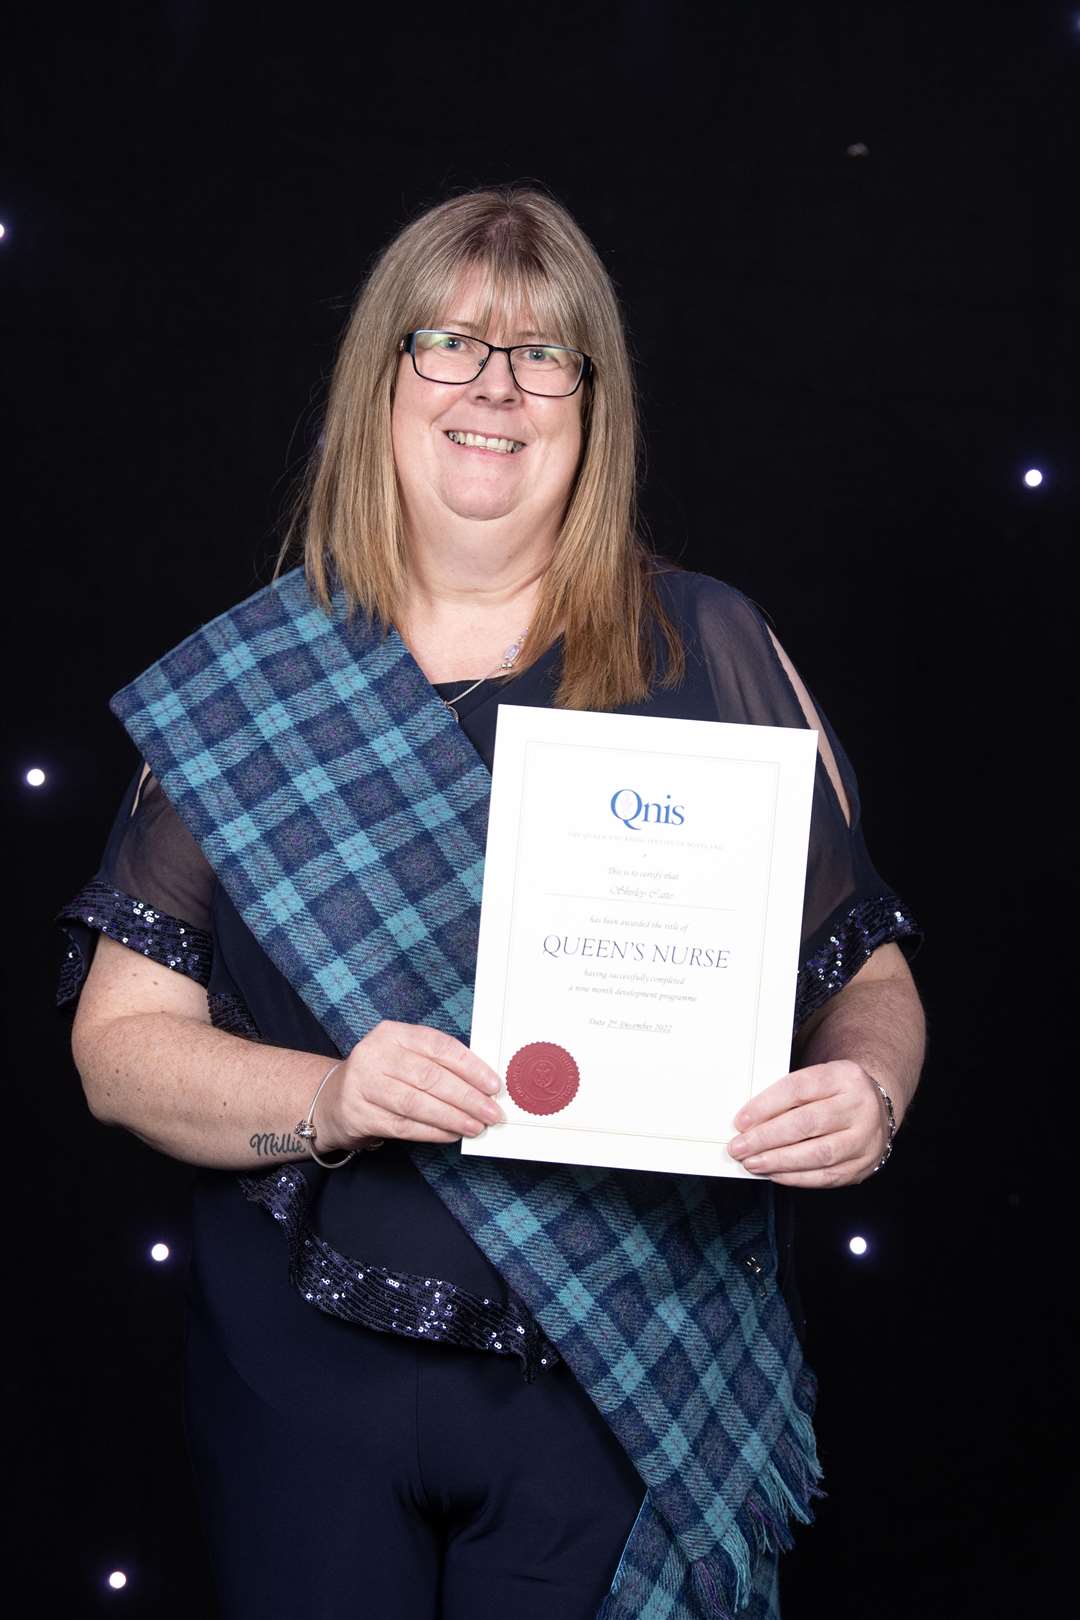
(409, 1081)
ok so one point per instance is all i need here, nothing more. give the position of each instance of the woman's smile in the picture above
(486, 444)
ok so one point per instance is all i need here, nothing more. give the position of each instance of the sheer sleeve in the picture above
(849, 909)
(151, 892)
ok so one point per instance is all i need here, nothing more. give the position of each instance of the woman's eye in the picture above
(538, 357)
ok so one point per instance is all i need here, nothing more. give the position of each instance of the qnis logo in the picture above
(634, 812)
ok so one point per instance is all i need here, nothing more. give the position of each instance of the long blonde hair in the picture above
(599, 589)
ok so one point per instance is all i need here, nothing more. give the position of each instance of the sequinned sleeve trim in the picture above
(132, 922)
(869, 923)
(230, 1013)
(393, 1301)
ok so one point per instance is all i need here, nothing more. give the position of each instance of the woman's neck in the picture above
(461, 612)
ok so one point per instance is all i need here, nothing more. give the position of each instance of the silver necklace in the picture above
(507, 662)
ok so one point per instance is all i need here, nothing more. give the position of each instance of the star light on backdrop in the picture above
(35, 777)
(117, 1579)
(159, 1252)
(1033, 478)
(858, 1245)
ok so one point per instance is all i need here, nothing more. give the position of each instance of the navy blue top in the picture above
(155, 892)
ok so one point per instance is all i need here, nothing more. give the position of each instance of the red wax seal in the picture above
(542, 1078)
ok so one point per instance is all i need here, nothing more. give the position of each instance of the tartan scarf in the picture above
(345, 814)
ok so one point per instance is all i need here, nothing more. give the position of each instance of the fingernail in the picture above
(494, 1113)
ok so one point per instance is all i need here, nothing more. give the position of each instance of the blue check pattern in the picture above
(345, 814)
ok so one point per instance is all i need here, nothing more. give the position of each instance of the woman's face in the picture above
(437, 475)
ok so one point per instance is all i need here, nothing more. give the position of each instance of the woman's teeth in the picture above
(505, 447)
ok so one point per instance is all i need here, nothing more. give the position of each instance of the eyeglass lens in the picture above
(539, 369)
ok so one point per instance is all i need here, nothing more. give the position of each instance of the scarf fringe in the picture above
(720, 1586)
(783, 1492)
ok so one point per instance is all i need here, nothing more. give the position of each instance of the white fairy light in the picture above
(159, 1252)
(35, 777)
(1033, 478)
(858, 1245)
(117, 1580)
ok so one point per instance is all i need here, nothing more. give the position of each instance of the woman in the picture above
(613, 1414)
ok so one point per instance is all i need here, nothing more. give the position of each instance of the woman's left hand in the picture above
(824, 1126)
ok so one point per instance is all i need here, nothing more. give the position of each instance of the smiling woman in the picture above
(448, 485)
(497, 1387)
(490, 318)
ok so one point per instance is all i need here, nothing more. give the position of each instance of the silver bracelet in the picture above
(887, 1100)
(308, 1131)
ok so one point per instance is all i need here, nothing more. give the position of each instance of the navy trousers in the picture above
(402, 1481)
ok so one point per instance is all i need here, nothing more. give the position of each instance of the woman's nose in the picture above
(496, 381)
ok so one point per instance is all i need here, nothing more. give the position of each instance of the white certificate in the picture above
(639, 933)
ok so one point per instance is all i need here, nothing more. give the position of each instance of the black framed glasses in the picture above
(537, 368)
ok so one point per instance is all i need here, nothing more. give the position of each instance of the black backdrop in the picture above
(847, 361)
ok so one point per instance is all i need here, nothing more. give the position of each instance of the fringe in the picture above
(654, 1575)
(784, 1492)
(707, 1591)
